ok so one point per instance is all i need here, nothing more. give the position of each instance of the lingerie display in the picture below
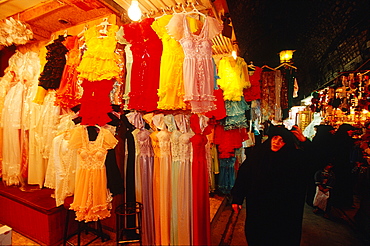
(234, 77)
(56, 60)
(146, 49)
(92, 199)
(198, 67)
(69, 91)
(171, 81)
(97, 69)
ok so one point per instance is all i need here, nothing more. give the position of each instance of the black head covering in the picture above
(343, 130)
(280, 130)
(323, 131)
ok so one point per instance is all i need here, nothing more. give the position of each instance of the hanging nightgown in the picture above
(91, 198)
(46, 131)
(64, 161)
(156, 177)
(56, 60)
(200, 194)
(254, 92)
(198, 67)
(171, 80)
(128, 62)
(135, 118)
(11, 120)
(183, 188)
(235, 111)
(146, 49)
(234, 77)
(53, 70)
(70, 90)
(98, 68)
(31, 73)
(169, 120)
(164, 189)
(24, 67)
(268, 99)
(146, 166)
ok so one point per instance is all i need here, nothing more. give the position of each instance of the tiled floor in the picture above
(19, 239)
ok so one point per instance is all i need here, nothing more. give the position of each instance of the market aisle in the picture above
(316, 230)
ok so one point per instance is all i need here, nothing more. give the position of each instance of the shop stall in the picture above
(111, 111)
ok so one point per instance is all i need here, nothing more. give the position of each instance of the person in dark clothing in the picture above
(325, 181)
(342, 194)
(272, 180)
(321, 153)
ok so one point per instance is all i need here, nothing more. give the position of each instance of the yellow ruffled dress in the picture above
(171, 81)
(99, 62)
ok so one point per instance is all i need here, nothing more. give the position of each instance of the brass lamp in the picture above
(286, 56)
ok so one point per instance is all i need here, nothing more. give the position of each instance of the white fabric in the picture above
(11, 120)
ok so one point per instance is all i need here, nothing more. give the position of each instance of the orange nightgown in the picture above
(91, 197)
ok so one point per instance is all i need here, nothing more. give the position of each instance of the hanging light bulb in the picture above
(233, 54)
(134, 11)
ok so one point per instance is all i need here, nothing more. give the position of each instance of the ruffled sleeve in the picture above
(175, 27)
(136, 119)
(90, 33)
(159, 25)
(75, 141)
(214, 27)
(158, 121)
(148, 118)
(109, 140)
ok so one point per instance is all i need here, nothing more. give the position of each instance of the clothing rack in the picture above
(188, 6)
(285, 64)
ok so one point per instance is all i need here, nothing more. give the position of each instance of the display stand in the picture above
(82, 227)
(126, 234)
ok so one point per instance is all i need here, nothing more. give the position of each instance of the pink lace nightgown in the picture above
(198, 68)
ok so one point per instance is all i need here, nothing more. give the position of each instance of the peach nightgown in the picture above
(91, 198)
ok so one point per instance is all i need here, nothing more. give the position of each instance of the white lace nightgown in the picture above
(11, 120)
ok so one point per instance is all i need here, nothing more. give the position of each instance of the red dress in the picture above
(228, 141)
(254, 92)
(201, 209)
(95, 103)
(220, 111)
(68, 94)
(146, 50)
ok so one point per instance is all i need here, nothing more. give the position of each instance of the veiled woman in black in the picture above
(272, 180)
(321, 153)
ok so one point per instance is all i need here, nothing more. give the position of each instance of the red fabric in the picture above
(147, 51)
(201, 209)
(95, 102)
(254, 92)
(228, 141)
(220, 111)
(32, 213)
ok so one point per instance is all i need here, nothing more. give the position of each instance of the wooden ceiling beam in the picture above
(38, 11)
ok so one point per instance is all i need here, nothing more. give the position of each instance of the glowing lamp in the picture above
(286, 56)
(233, 54)
(134, 11)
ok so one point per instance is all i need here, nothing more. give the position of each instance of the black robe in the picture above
(273, 184)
